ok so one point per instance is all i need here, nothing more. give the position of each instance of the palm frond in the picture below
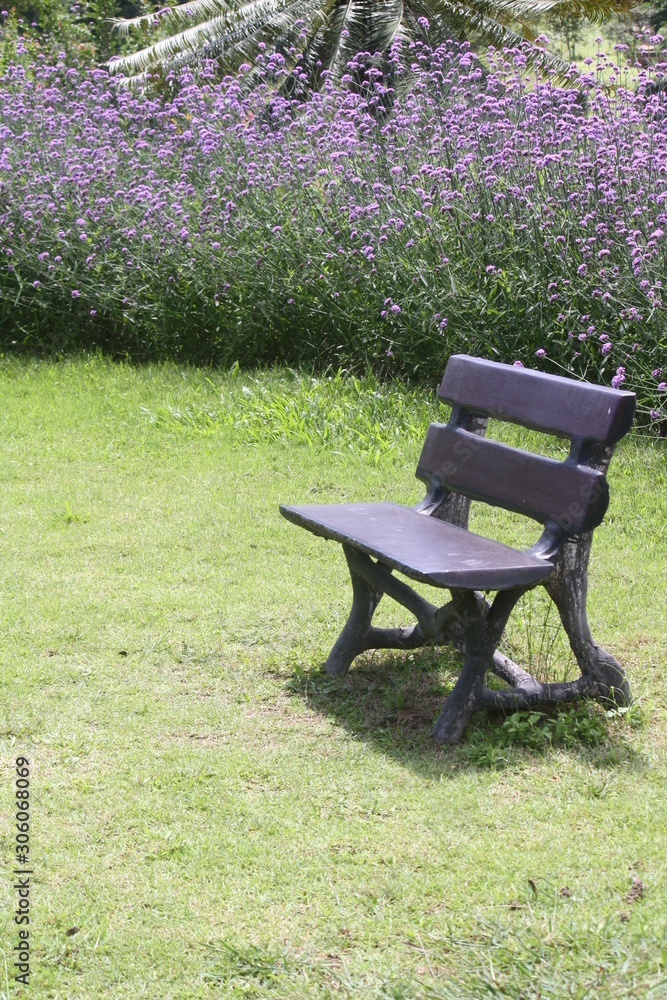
(223, 30)
(372, 25)
(596, 10)
(335, 56)
(192, 39)
(592, 10)
(176, 17)
(328, 34)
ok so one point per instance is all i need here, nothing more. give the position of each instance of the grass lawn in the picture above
(220, 819)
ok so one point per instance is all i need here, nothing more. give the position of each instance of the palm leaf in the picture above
(224, 31)
(334, 31)
(175, 17)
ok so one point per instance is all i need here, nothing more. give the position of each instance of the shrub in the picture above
(483, 212)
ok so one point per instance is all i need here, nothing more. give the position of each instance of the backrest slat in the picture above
(575, 497)
(548, 403)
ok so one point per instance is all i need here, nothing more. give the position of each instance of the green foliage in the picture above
(76, 33)
(569, 28)
(658, 15)
(47, 28)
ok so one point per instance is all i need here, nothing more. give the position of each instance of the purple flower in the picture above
(618, 378)
(519, 364)
(76, 294)
(460, 151)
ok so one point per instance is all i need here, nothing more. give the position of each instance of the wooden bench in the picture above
(431, 542)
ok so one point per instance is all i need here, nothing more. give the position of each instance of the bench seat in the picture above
(422, 547)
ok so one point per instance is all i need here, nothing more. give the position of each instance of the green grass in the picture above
(221, 819)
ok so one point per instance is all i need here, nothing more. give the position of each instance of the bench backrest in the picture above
(569, 494)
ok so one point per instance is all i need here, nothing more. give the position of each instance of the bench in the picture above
(431, 541)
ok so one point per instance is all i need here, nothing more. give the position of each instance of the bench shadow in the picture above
(391, 701)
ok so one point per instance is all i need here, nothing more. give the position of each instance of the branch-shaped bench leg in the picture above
(602, 674)
(602, 677)
(370, 580)
(533, 693)
(501, 665)
(354, 638)
(482, 634)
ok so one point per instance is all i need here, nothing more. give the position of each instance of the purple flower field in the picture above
(480, 211)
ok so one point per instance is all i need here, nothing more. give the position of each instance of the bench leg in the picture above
(568, 587)
(354, 638)
(602, 676)
(482, 632)
(466, 696)
(370, 580)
